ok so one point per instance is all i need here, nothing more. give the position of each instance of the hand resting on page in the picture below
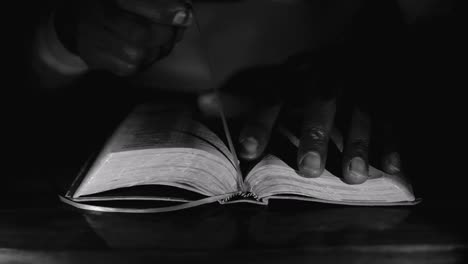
(325, 101)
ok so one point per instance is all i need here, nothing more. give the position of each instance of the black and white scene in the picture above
(234, 131)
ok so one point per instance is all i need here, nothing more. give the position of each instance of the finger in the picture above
(168, 12)
(318, 123)
(335, 136)
(391, 161)
(130, 28)
(104, 60)
(109, 43)
(355, 159)
(160, 44)
(256, 132)
(125, 26)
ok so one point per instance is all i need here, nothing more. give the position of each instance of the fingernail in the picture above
(357, 165)
(249, 147)
(182, 18)
(311, 164)
(357, 171)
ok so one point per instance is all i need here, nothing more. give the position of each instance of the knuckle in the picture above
(358, 148)
(360, 144)
(316, 133)
(314, 139)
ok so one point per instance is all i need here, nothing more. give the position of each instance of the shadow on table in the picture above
(250, 227)
(203, 229)
(334, 226)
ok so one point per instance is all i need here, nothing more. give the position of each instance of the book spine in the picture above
(241, 196)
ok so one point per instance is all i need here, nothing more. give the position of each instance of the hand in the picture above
(318, 93)
(122, 36)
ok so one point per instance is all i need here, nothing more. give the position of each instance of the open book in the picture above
(163, 158)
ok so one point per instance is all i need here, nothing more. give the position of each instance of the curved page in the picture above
(272, 177)
(163, 147)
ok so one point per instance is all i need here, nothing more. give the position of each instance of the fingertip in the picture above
(209, 104)
(392, 163)
(250, 148)
(310, 173)
(354, 178)
(310, 165)
(356, 171)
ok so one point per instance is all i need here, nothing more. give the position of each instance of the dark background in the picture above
(48, 136)
(415, 72)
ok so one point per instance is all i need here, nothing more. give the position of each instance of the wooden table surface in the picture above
(36, 228)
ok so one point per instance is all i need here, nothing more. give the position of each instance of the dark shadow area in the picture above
(411, 75)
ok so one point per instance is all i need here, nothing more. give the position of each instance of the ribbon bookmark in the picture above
(227, 132)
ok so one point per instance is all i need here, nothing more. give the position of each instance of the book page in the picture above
(272, 176)
(153, 126)
(165, 146)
